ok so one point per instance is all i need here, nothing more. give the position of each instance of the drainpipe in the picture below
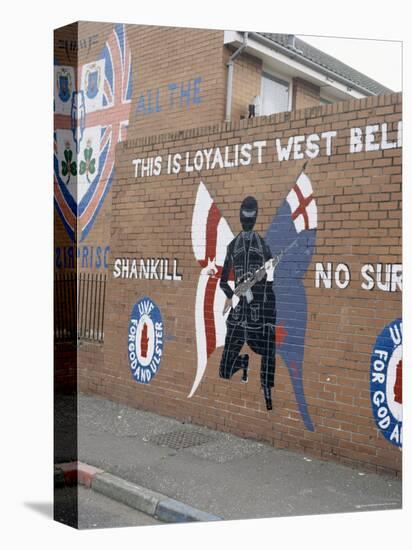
(229, 86)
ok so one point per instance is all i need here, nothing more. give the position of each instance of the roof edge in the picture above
(295, 53)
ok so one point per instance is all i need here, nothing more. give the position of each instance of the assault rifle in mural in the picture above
(244, 287)
(291, 239)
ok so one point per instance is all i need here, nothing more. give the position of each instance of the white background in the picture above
(27, 261)
(381, 60)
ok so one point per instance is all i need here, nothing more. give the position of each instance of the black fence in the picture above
(65, 316)
(79, 307)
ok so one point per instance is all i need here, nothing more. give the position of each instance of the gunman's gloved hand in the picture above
(269, 273)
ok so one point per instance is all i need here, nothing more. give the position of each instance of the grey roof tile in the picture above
(328, 62)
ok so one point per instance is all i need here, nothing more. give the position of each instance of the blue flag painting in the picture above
(292, 234)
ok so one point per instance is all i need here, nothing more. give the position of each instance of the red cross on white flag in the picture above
(302, 204)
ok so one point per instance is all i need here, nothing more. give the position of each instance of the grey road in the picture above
(97, 511)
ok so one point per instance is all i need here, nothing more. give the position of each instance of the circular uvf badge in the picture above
(386, 382)
(145, 340)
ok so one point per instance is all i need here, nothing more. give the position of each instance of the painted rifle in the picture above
(244, 287)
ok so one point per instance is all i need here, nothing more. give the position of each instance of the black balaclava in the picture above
(248, 213)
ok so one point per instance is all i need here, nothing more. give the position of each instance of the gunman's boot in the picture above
(268, 397)
(245, 366)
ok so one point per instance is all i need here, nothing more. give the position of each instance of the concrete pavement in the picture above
(219, 473)
(135, 496)
(96, 510)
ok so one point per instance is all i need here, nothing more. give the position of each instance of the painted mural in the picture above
(386, 382)
(250, 287)
(145, 340)
(91, 112)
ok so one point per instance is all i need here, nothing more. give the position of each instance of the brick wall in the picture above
(304, 94)
(75, 46)
(359, 222)
(178, 78)
(247, 78)
(90, 360)
(65, 369)
(179, 81)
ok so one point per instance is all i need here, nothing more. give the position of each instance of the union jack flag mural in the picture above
(91, 113)
(292, 237)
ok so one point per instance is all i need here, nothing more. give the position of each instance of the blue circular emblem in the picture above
(145, 340)
(386, 382)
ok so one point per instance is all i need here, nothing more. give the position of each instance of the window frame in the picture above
(281, 79)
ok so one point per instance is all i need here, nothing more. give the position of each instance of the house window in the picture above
(274, 95)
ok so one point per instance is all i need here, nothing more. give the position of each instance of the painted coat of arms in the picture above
(91, 115)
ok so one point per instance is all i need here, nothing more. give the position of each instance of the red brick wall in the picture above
(91, 360)
(358, 198)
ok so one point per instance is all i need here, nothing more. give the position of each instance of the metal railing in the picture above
(79, 301)
(91, 298)
(65, 321)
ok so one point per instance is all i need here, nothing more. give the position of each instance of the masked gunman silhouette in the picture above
(252, 316)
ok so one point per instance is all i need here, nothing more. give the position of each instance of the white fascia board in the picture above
(232, 36)
(290, 65)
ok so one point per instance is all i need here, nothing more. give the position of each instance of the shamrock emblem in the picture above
(69, 168)
(88, 165)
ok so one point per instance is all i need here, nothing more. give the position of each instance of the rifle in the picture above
(244, 288)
